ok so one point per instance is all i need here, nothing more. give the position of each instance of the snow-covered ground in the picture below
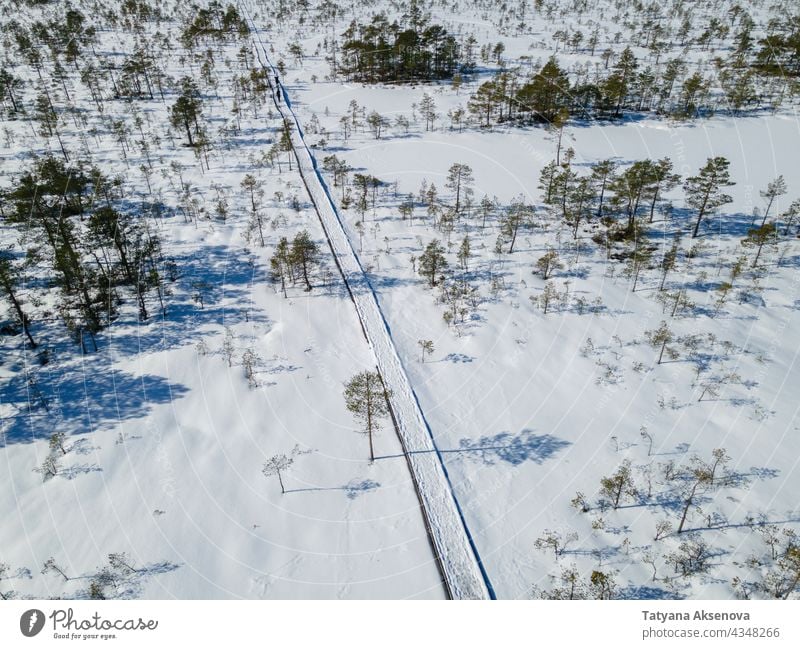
(166, 441)
(524, 413)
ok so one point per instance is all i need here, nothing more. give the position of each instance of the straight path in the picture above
(459, 561)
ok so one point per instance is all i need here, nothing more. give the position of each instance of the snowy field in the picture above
(168, 424)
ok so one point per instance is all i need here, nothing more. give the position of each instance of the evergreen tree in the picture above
(281, 264)
(9, 283)
(704, 191)
(187, 110)
(367, 398)
(546, 94)
(482, 104)
(661, 180)
(629, 188)
(774, 190)
(617, 85)
(432, 262)
(757, 238)
(304, 255)
(517, 216)
(459, 181)
(602, 175)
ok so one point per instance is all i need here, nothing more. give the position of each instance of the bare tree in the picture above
(277, 464)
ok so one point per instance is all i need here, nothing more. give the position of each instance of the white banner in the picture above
(371, 624)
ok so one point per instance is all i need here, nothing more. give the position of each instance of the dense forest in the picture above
(414, 49)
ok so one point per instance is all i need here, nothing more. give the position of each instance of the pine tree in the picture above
(304, 255)
(9, 283)
(547, 263)
(9, 87)
(659, 338)
(602, 176)
(367, 398)
(426, 347)
(428, 109)
(546, 94)
(704, 191)
(187, 109)
(275, 466)
(617, 85)
(483, 102)
(459, 181)
(464, 253)
(281, 264)
(629, 189)
(619, 484)
(774, 189)
(517, 216)
(432, 262)
(758, 237)
(660, 181)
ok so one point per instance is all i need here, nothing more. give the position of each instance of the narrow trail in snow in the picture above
(462, 570)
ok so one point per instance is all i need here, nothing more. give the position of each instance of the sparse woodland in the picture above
(149, 199)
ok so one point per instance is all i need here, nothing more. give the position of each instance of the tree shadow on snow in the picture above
(81, 393)
(647, 592)
(503, 447)
(512, 449)
(352, 489)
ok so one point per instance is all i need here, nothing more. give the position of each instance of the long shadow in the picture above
(503, 447)
(647, 592)
(76, 400)
(352, 489)
(79, 394)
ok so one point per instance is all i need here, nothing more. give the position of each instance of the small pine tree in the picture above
(426, 347)
(547, 263)
(704, 191)
(228, 346)
(367, 398)
(276, 465)
(618, 485)
(464, 253)
(432, 262)
(659, 338)
(57, 443)
(304, 255)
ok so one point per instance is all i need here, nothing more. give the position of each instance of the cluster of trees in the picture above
(775, 574)
(631, 193)
(93, 250)
(668, 88)
(413, 49)
(51, 465)
(549, 94)
(214, 22)
(295, 261)
(109, 579)
(614, 203)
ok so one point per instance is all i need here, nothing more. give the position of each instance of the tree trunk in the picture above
(20, 313)
(305, 275)
(689, 502)
(700, 215)
(188, 132)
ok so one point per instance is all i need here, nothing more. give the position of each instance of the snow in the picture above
(514, 407)
(510, 416)
(460, 565)
(183, 494)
